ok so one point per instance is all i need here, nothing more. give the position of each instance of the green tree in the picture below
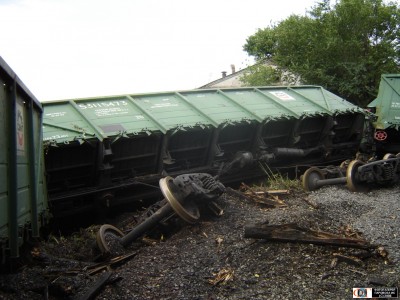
(260, 74)
(344, 47)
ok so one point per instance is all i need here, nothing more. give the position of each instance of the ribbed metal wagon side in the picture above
(23, 198)
(106, 150)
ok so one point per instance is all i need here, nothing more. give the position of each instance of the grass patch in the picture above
(277, 181)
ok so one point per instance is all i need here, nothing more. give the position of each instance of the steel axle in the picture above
(182, 196)
(357, 175)
(314, 177)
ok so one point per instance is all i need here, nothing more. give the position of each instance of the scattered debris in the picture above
(219, 241)
(334, 263)
(382, 252)
(215, 209)
(108, 264)
(268, 195)
(253, 197)
(348, 231)
(377, 281)
(358, 272)
(212, 259)
(310, 202)
(148, 241)
(326, 275)
(272, 192)
(93, 291)
(295, 234)
(348, 259)
(222, 277)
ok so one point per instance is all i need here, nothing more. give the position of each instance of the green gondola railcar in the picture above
(386, 107)
(23, 199)
(107, 150)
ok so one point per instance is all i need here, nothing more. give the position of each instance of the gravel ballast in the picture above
(212, 259)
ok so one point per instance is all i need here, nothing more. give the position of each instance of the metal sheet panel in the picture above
(217, 106)
(306, 100)
(22, 190)
(324, 100)
(62, 123)
(262, 106)
(171, 110)
(65, 121)
(113, 115)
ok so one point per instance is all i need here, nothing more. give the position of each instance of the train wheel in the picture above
(389, 156)
(188, 210)
(353, 183)
(310, 178)
(107, 239)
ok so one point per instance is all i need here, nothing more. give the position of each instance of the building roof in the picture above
(233, 79)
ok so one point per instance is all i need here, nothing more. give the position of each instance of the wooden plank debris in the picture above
(352, 260)
(267, 198)
(273, 192)
(94, 290)
(271, 203)
(292, 233)
(108, 264)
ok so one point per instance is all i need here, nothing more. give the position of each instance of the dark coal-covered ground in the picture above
(213, 260)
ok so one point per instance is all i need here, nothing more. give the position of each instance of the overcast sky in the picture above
(65, 49)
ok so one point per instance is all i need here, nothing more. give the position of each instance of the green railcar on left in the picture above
(23, 198)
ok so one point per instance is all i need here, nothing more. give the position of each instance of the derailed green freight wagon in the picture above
(23, 200)
(387, 110)
(101, 151)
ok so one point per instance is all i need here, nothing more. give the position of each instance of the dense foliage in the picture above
(344, 47)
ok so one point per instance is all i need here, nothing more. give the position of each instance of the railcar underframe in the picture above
(90, 174)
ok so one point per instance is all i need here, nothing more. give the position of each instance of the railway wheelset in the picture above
(359, 175)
